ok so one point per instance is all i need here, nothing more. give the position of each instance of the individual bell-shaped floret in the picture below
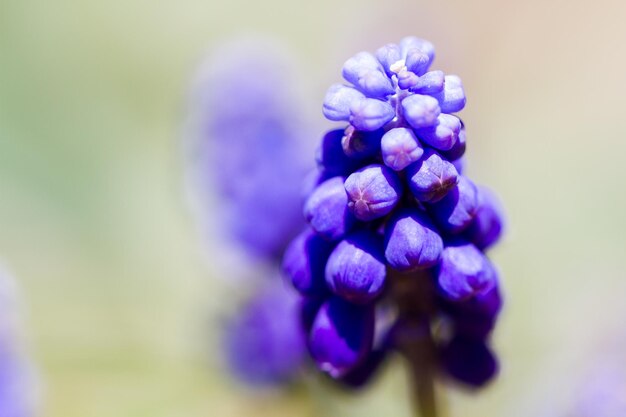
(356, 268)
(452, 98)
(409, 46)
(411, 241)
(370, 114)
(400, 148)
(304, 262)
(429, 83)
(373, 191)
(367, 75)
(389, 55)
(431, 178)
(488, 223)
(457, 209)
(444, 134)
(458, 149)
(421, 111)
(339, 98)
(469, 361)
(341, 336)
(326, 209)
(464, 272)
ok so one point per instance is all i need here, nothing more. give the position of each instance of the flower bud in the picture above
(356, 268)
(421, 111)
(370, 114)
(431, 178)
(464, 272)
(452, 98)
(373, 191)
(457, 209)
(444, 135)
(400, 148)
(412, 242)
(367, 75)
(387, 56)
(339, 98)
(487, 225)
(326, 209)
(429, 83)
(304, 262)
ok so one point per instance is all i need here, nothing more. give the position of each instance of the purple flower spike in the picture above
(452, 98)
(469, 361)
(304, 262)
(341, 336)
(326, 209)
(356, 268)
(338, 101)
(400, 148)
(444, 135)
(373, 192)
(455, 212)
(388, 55)
(464, 272)
(370, 114)
(431, 178)
(458, 150)
(264, 342)
(412, 242)
(367, 75)
(421, 111)
(429, 83)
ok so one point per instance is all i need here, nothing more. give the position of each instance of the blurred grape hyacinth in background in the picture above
(250, 145)
(249, 154)
(395, 227)
(18, 388)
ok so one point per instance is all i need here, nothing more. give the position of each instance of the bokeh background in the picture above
(124, 301)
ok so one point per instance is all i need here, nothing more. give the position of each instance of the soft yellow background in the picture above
(122, 305)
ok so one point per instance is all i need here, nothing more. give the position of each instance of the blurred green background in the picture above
(94, 224)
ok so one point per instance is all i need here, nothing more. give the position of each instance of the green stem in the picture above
(414, 295)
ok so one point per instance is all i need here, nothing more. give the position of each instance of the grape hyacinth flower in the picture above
(248, 146)
(249, 157)
(17, 382)
(396, 225)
